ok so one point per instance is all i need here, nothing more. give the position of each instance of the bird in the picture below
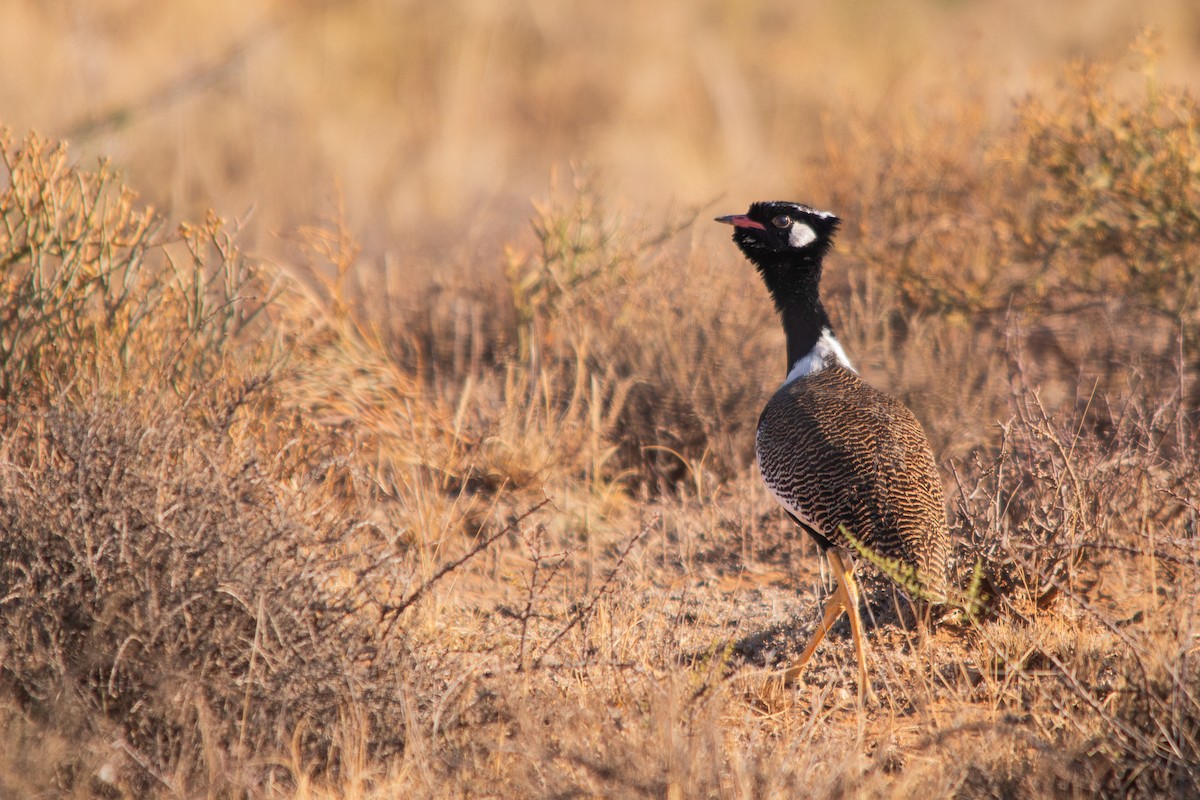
(849, 463)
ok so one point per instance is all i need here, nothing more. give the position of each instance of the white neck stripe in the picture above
(826, 352)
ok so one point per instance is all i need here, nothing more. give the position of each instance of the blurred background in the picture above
(436, 123)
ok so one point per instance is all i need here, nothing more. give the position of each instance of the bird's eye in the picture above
(782, 221)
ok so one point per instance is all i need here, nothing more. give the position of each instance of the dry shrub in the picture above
(1060, 492)
(1079, 218)
(1118, 211)
(73, 249)
(662, 361)
(1093, 528)
(218, 506)
(164, 592)
(1091, 194)
(599, 363)
(91, 284)
(183, 584)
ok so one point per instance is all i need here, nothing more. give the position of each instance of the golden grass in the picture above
(313, 528)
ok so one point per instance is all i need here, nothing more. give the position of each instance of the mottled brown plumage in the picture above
(839, 454)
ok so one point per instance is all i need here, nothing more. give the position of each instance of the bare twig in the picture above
(534, 588)
(601, 590)
(394, 611)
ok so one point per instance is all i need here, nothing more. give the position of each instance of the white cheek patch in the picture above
(801, 235)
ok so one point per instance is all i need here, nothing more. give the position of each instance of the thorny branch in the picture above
(394, 611)
(602, 590)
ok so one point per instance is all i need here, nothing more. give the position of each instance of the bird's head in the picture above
(786, 242)
(779, 228)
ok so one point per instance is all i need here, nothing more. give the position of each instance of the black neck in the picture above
(802, 325)
(795, 287)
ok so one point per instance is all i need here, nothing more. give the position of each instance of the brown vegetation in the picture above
(262, 536)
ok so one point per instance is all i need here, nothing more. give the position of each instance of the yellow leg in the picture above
(844, 598)
(834, 607)
(845, 576)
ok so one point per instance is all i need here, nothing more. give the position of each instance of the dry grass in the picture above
(319, 529)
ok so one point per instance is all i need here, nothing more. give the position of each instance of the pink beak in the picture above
(740, 221)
